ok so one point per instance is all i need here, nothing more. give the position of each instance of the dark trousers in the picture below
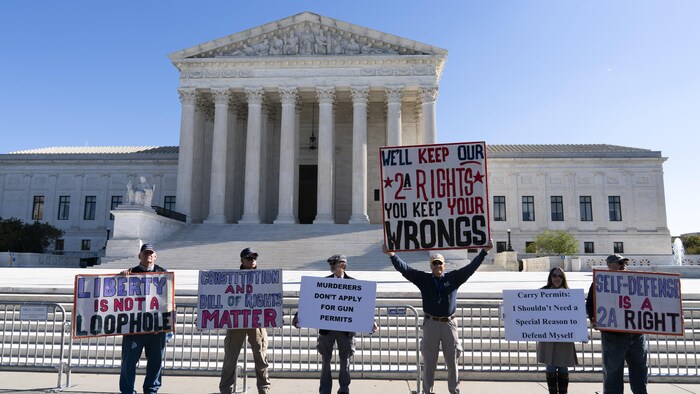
(132, 346)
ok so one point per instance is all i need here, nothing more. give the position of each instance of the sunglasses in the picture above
(437, 262)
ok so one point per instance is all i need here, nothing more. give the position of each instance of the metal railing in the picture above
(393, 351)
(34, 336)
(169, 214)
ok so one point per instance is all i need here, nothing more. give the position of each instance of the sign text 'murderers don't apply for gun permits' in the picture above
(435, 196)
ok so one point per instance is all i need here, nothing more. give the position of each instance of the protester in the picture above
(257, 337)
(327, 339)
(620, 346)
(439, 294)
(133, 345)
(557, 356)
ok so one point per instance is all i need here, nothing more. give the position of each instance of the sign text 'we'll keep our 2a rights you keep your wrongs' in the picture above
(435, 196)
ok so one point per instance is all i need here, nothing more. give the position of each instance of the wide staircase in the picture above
(289, 247)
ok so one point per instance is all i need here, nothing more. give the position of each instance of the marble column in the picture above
(185, 165)
(394, 94)
(251, 202)
(326, 150)
(217, 187)
(285, 211)
(360, 96)
(428, 96)
(297, 147)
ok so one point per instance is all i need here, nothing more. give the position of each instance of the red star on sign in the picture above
(387, 182)
(478, 177)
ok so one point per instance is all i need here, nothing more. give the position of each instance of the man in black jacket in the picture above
(328, 338)
(133, 345)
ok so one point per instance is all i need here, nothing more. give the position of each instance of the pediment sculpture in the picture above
(309, 39)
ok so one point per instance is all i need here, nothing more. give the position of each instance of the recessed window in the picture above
(588, 247)
(586, 208)
(38, 208)
(615, 208)
(169, 203)
(63, 207)
(85, 244)
(59, 246)
(557, 203)
(618, 247)
(499, 208)
(528, 208)
(116, 201)
(501, 246)
(90, 205)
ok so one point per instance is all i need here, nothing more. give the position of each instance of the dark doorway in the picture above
(308, 178)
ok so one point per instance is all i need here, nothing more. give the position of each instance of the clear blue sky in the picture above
(518, 72)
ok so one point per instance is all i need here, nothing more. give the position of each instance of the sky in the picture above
(624, 72)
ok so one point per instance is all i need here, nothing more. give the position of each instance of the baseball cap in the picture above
(337, 257)
(616, 258)
(248, 252)
(147, 247)
(437, 257)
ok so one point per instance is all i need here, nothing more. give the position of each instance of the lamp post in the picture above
(510, 247)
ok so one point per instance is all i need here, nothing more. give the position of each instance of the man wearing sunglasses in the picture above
(328, 338)
(439, 294)
(257, 337)
(619, 347)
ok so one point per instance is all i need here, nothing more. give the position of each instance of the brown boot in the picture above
(552, 382)
(563, 382)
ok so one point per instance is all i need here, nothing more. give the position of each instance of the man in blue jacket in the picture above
(438, 291)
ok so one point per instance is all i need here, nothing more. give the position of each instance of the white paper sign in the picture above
(337, 304)
(545, 315)
(638, 302)
(435, 196)
(239, 299)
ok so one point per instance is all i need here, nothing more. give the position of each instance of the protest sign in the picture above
(337, 304)
(105, 305)
(545, 315)
(638, 302)
(435, 196)
(239, 299)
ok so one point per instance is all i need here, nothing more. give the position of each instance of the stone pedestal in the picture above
(135, 225)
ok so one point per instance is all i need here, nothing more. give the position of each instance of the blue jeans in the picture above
(618, 348)
(554, 368)
(132, 346)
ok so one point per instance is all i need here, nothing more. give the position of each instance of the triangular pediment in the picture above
(307, 34)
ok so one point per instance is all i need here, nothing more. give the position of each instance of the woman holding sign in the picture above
(558, 356)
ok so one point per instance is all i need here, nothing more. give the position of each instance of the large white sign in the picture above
(105, 305)
(435, 196)
(545, 315)
(337, 304)
(239, 299)
(638, 302)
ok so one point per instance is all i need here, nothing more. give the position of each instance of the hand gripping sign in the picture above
(106, 305)
(435, 196)
(638, 302)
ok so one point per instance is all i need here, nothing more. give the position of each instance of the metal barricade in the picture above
(34, 336)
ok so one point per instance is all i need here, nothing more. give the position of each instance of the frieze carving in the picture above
(275, 73)
(308, 39)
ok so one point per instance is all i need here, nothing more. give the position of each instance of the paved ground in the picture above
(27, 382)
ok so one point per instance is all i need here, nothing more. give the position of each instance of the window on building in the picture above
(90, 204)
(116, 201)
(501, 246)
(618, 247)
(586, 207)
(615, 208)
(557, 209)
(169, 203)
(59, 246)
(588, 247)
(528, 243)
(38, 208)
(85, 244)
(528, 208)
(63, 207)
(499, 208)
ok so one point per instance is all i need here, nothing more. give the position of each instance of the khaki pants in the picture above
(436, 334)
(257, 337)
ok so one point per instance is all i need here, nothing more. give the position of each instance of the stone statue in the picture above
(307, 42)
(277, 47)
(141, 194)
(291, 44)
(321, 46)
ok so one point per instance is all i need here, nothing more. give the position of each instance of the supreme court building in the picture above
(282, 124)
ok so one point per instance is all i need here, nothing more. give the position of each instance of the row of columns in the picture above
(223, 116)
